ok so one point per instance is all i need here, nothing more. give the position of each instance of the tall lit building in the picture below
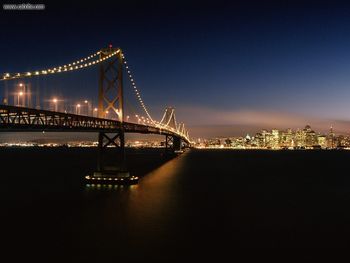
(299, 138)
(341, 142)
(322, 141)
(331, 139)
(259, 140)
(264, 134)
(286, 138)
(275, 138)
(310, 136)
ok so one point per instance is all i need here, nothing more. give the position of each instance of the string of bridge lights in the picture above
(137, 92)
(79, 64)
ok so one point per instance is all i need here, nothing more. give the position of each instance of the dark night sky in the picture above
(236, 65)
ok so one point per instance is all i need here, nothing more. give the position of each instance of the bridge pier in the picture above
(116, 140)
(168, 143)
(172, 144)
(111, 163)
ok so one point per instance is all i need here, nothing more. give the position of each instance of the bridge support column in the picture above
(111, 161)
(168, 143)
(172, 144)
(115, 140)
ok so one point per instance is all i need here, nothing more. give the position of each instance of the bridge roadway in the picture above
(22, 119)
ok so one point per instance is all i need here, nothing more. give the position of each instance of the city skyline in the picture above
(301, 138)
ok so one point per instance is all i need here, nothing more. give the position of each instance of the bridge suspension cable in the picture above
(161, 121)
(170, 117)
(137, 92)
(76, 65)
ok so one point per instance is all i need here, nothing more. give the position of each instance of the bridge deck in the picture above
(22, 119)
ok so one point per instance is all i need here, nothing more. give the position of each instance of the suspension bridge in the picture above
(109, 119)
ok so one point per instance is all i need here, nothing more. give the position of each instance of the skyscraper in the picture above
(331, 139)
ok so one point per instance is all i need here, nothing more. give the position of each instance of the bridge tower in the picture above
(172, 143)
(110, 90)
(111, 106)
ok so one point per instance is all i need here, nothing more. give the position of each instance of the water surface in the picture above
(203, 203)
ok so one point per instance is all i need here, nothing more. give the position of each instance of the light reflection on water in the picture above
(151, 200)
(157, 190)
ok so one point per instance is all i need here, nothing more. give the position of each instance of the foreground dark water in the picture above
(198, 205)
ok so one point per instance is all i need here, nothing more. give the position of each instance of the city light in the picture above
(77, 109)
(19, 96)
(55, 101)
(95, 112)
(274, 139)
